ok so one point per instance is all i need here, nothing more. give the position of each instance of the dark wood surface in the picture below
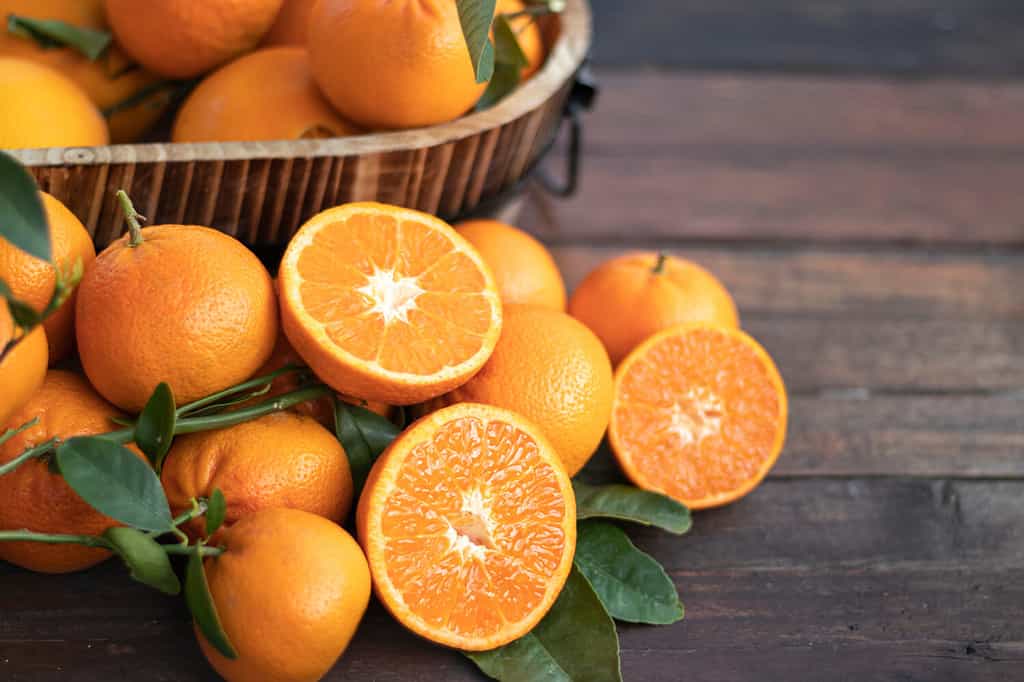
(872, 232)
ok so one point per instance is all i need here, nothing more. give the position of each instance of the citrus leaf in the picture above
(146, 560)
(475, 16)
(632, 586)
(503, 82)
(52, 33)
(22, 218)
(115, 482)
(216, 510)
(364, 435)
(575, 642)
(626, 503)
(506, 45)
(154, 430)
(24, 315)
(201, 606)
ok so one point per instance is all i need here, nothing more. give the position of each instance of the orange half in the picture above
(699, 414)
(468, 521)
(388, 304)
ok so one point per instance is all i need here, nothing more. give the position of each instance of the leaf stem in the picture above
(30, 536)
(228, 392)
(31, 453)
(11, 433)
(188, 549)
(132, 217)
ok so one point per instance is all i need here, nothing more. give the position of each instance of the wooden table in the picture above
(871, 230)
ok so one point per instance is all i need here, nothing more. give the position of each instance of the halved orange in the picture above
(699, 414)
(468, 521)
(387, 304)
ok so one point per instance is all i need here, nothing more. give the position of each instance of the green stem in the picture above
(659, 267)
(31, 453)
(234, 390)
(132, 217)
(27, 535)
(11, 433)
(187, 549)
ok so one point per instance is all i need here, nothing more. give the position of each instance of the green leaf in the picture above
(52, 33)
(506, 44)
(146, 560)
(364, 435)
(575, 642)
(626, 503)
(632, 586)
(22, 218)
(115, 482)
(154, 431)
(504, 81)
(216, 510)
(475, 16)
(24, 315)
(200, 604)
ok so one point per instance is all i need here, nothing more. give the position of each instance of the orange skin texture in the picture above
(190, 306)
(404, 62)
(43, 108)
(624, 302)
(523, 267)
(23, 369)
(32, 280)
(280, 460)
(290, 591)
(292, 24)
(753, 409)
(33, 497)
(185, 38)
(265, 95)
(552, 370)
(108, 81)
(528, 33)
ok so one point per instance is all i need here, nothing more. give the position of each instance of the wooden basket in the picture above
(261, 192)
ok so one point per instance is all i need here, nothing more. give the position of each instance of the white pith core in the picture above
(472, 538)
(393, 296)
(697, 416)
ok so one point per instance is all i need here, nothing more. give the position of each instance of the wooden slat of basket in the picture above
(261, 192)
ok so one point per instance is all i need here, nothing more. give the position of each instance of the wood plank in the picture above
(807, 159)
(908, 37)
(881, 579)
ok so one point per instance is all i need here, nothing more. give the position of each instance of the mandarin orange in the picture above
(22, 369)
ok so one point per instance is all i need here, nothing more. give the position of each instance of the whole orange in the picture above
(404, 63)
(629, 298)
(188, 305)
(43, 108)
(32, 280)
(23, 367)
(185, 38)
(112, 81)
(35, 498)
(552, 370)
(265, 95)
(280, 460)
(290, 590)
(292, 24)
(531, 42)
(523, 268)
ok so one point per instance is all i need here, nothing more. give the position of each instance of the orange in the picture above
(531, 42)
(629, 298)
(469, 524)
(189, 305)
(35, 498)
(32, 280)
(290, 590)
(386, 303)
(552, 370)
(110, 81)
(185, 38)
(23, 367)
(280, 460)
(404, 63)
(700, 414)
(292, 24)
(522, 266)
(43, 108)
(265, 95)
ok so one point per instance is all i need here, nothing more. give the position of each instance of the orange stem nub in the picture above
(659, 267)
(132, 217)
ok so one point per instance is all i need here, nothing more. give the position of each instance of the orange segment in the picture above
(469, 524)
(699, 414)
(388, 304)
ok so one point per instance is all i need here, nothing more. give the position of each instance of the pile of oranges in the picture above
(253, 69)
(466, 524)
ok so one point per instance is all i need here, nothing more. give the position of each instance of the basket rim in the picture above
(564, 59)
